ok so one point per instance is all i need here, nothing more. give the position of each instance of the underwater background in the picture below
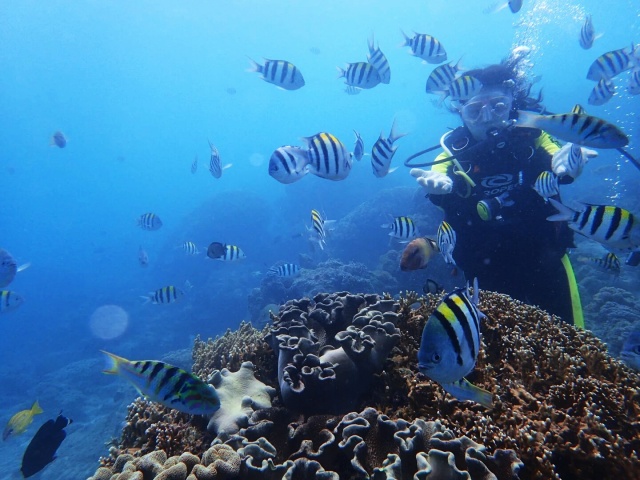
(139, 88)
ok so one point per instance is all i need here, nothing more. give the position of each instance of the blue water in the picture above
(139, 87)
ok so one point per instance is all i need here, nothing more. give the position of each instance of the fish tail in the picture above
(370, 43)
(113, 363)
(36, 409)
(564, 212)
(255, 66)
(407, 40)
(465, 390)
(146, 298)
(395, 135)
(341, 72)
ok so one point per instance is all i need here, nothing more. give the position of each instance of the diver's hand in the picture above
(570, 160)
(434, 183)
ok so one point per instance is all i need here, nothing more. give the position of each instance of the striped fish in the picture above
(379, 61)
(426, 47)
(464, 87)
(215, 165)
(360, 75)
(351, 90)
(613, 227)
(288, 164)
(612, 63)
(190, 248)
(546, 185)
(446, 239)
(633, 87)
(169, 294)
(165, 384)
(584, 130)
(281, 73)
(383, 151)
(403, 228)
(441, 77)
(450, 345)
(609, 262)
(317, 230)
(285, 270)
(328, 157)
(194, 165)
(602, 92)
(9, 301)
(578, 109)
(587, 33)
(149, 221)
(232, 253)
(569, 160)
(358, 148)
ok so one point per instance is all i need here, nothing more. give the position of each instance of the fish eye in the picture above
(435, 357)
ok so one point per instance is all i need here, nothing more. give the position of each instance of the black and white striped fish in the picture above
(450, 345)
(165, 384)
(546, 185)
(231, 253)
(612, 63)
(383, 151)
(9, 301)
(403, 228)
(360, 75)
(317, 231)
(285, 270)
(441, 77)
(584, 130)
(602, 92)
(149, 221)
(609, 262)
(358, 148)
(464, 87)
(379, 61)
(328, 157)
(587, 33)
(351, 90)
(164, 295)
(190, 248)
(281, 73)
(215, 165)
(633, 87)
(446, 239)
(288, 164)
(615, 228)
(426, 47)
(194, 165)
(569, 160)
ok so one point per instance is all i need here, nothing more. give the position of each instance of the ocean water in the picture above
(139, 88)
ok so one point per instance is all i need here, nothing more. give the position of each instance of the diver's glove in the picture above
(434, 183)
(570, 160)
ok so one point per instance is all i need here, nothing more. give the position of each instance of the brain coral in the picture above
(562, 407)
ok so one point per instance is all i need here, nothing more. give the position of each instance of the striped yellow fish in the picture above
(20, 421)
(165, 384)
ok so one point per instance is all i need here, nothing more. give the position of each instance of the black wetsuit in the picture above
(518, 251)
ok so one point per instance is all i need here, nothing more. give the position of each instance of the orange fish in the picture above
(417, 254)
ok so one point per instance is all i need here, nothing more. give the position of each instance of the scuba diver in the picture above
(483, 181)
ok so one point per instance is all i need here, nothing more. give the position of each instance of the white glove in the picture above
(570, 160)
(434, 183)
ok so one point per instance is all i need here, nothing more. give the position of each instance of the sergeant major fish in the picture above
(288, 164)
(215, 165)
(20, 421)
(224, 252)
(582, 129)
(360, 75)
(317, 231)
(546, 185)
(379, 61)
(189, 248)
(633, 87)
(280, 73)
(165, 384)
(446, 239)
(383, 151)
(426, 47)
(284, 270)
(613, 227)
(328, 156)
(570, 160)
(612, 63)
(463, 88)
(149, 221)
(602, 92)
(588, 33)
(450, 345)
(441, 77)
(402, 228)
(168, 294)
(358, 148)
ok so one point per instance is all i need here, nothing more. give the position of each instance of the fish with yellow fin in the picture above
(418, 253)
(20, 421)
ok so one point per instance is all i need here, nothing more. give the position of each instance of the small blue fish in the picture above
(9, 268)
(149, 221)
(165, 384)
(280, 73)
(358, 148)
(143, 257)
(450, 345)
(630, 353)
(58, 140)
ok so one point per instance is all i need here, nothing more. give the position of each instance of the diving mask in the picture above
(481, 109)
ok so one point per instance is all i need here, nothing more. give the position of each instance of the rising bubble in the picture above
(108, 322)
(256, 160)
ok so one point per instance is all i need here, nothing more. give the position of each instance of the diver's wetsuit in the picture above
(515, 250)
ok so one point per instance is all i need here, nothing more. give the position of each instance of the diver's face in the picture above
(487, 111)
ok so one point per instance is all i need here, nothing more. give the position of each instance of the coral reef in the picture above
(563, 408)
(329, 349)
